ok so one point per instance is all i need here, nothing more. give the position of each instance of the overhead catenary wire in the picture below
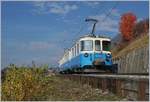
(83, 26)
(106, 16)
(110, 11)
(98, 10)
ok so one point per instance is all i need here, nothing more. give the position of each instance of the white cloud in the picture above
(105, 24)
(92, 3)
(53, 7)
(39, 4)
(43, 46)
(115, 12)
(62, 10)
(39, 45)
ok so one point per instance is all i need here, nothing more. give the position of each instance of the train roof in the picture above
(93, 36)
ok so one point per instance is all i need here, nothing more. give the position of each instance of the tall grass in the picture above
(23, 83)
(35, 84)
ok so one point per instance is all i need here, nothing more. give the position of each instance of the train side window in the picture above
(77, 49)
(82, 45)
(97, 45)
(87, 45)
(72, 52)
(106, 45)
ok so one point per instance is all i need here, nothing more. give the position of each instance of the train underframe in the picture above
(92, 69)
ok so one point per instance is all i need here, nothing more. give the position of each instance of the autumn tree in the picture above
(127, 23)
(141, 27)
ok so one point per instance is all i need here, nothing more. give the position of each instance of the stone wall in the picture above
(129, 87)
(136, 61)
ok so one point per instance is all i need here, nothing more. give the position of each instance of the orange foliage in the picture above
(127, 24)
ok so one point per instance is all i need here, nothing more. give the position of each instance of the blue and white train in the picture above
(88, 52)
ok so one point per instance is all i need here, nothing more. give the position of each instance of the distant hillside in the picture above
(137, 43)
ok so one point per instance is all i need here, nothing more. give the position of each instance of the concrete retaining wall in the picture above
(136, 61)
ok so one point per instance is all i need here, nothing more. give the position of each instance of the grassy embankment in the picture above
(35, 84)
(135, 44)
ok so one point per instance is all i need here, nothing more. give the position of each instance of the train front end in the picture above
(95, 52)
(104, 57)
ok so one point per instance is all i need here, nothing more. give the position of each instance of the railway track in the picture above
(107, 73)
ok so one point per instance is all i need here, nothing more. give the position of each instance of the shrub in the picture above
(23, 83)
(142, 27)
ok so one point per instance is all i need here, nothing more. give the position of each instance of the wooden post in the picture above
(119, 87)
(142, 91)
(104, 84)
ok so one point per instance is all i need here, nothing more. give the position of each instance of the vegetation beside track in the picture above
(35, 84)
(139, 42)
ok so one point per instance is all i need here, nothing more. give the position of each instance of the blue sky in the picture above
(40, 31)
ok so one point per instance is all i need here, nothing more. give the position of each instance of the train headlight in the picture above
(86, 55)
(108, 55)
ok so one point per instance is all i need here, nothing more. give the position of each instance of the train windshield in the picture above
(87, 45)
(106, 45)
(97, 45)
